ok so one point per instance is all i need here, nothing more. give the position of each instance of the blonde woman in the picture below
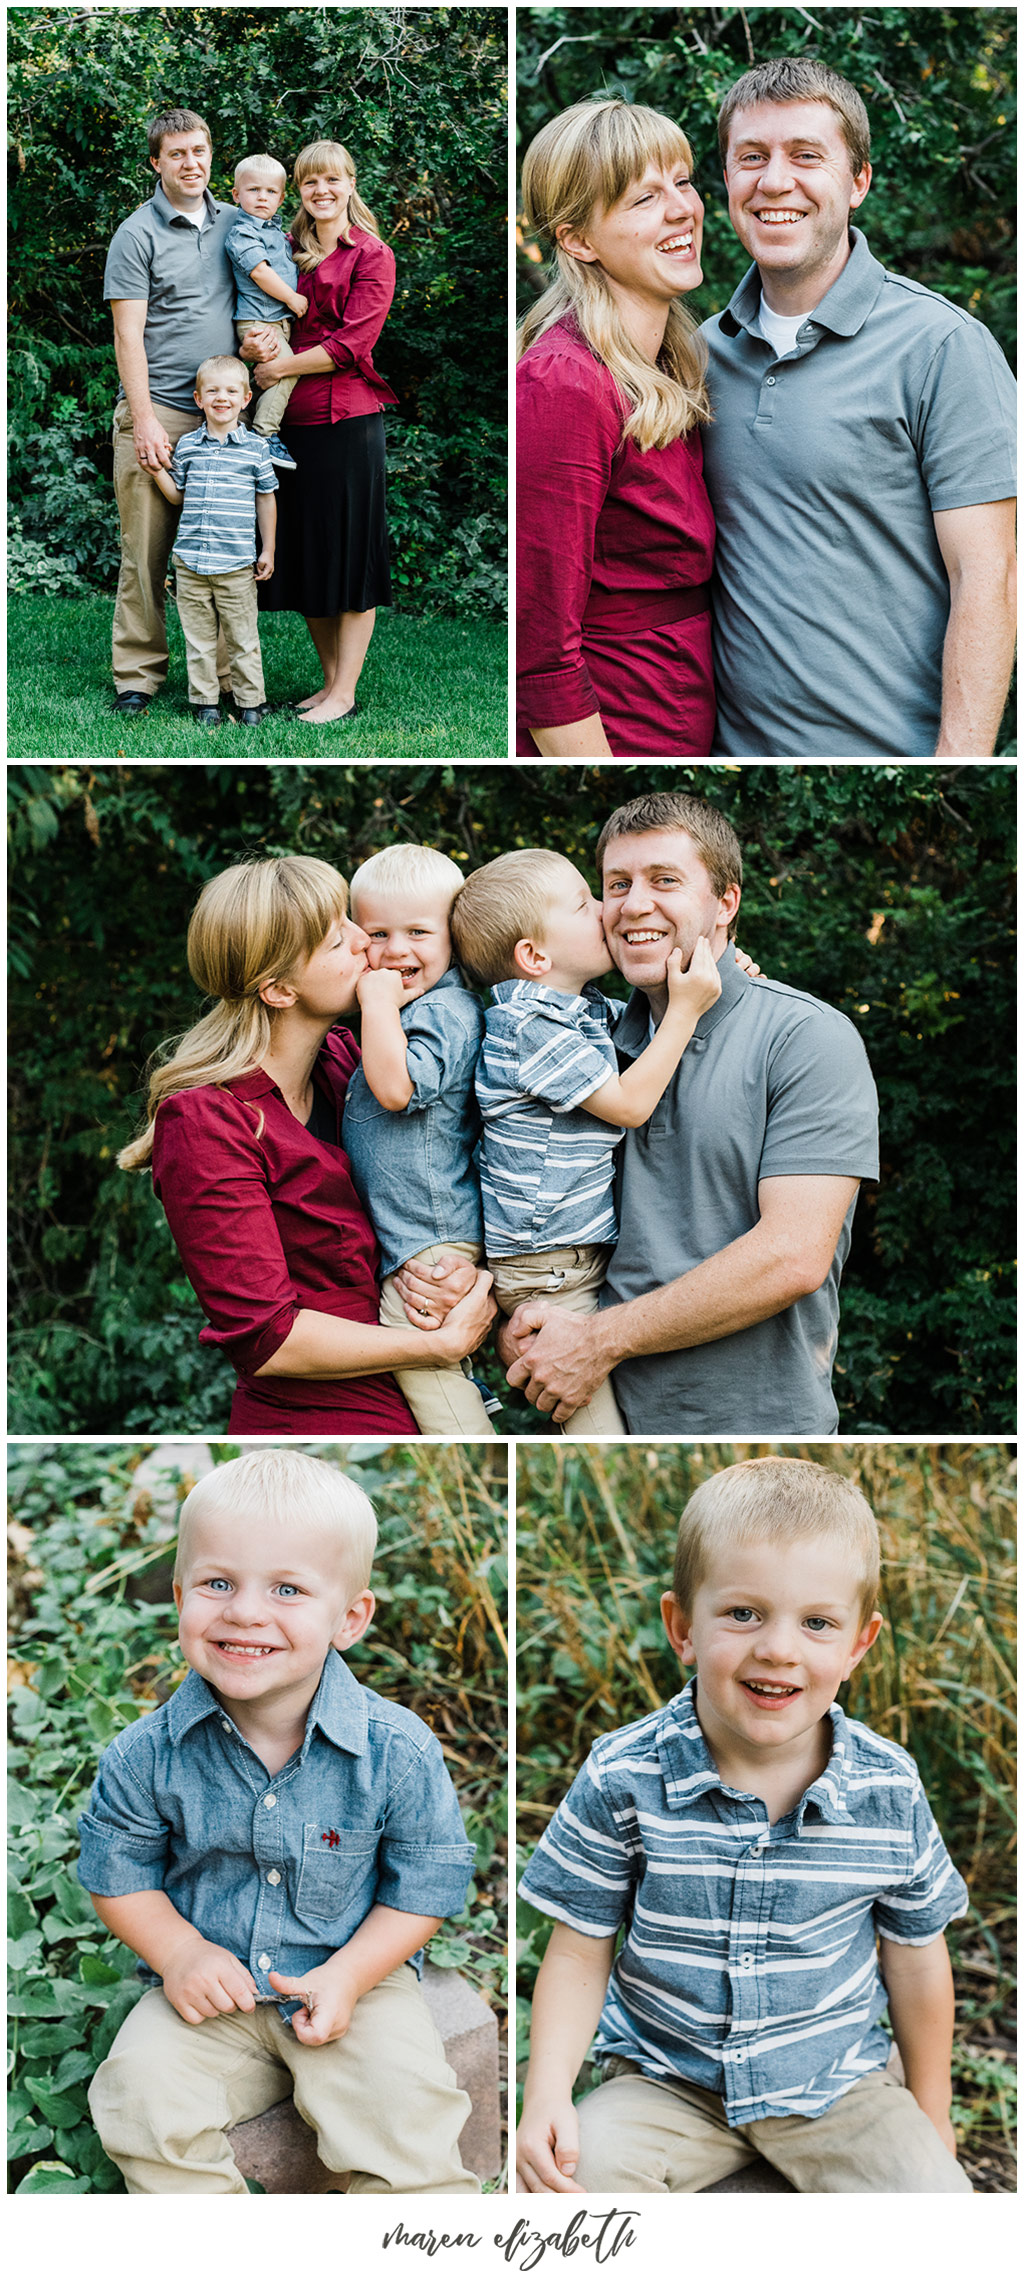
(332, 544)
(615, 530)
(243, 1136)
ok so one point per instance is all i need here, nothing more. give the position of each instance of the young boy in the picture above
(554, 1105)
(778, 1876)
(222, 479)
(277, 1843)
(266, 280)
(411, 1126)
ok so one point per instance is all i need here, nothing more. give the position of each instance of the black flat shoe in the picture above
(208, 718)
(131, 703)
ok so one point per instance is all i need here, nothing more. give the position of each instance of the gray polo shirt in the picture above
(157, 256)
(825, 470)
(773, 1083)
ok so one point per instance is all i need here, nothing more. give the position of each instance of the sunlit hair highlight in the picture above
(508, 899)
(293, 1491)
(253, 925)
(325, 159)
(262, 168)
(774, 1499)
(584, 159)
(214, 368)
(406, 870)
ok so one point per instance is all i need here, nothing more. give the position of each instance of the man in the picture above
(171, 290)
(860, 462)
(720, 1312)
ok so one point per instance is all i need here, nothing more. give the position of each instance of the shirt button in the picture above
(769, 381)
(263, 1962)
(225, 1726)
(274, 1875)
(739, 2057)
(270, 1801)
(746, 1962)
(756, 1850)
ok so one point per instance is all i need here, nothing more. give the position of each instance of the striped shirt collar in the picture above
(237, 436)
(590, 1003)
(695, 1773)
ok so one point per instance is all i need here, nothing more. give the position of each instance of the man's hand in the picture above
(547, 2148)
(329, 1996)
(206, 1981)
(153, 449)
(430, 1290)
(380, 988)
(265, 564)
(560, 1358)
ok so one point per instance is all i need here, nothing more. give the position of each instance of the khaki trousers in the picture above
(444, 1399)
(215, 607)
(270, 404)
(572, 1277)
(148, 525)
(642, 2136)
(382, 2099)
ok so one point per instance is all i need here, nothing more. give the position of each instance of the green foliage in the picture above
(886, 889)
(94, 1646)
(418, 95)
(940, 93)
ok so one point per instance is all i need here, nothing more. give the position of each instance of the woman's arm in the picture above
(567, 432)
(586, 738)
(323, 1349)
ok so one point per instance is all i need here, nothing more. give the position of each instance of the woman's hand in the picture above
(260, 342)
(430, 1290)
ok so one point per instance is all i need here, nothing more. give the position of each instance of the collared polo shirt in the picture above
(279, 1868)
(415, 1169)
(546, 1167)
(250, 242)
(220, 477)
(826, 469)
(749, 1964)
(772, 1083)
(183, 275)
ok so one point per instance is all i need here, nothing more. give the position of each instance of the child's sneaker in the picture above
(279, 453)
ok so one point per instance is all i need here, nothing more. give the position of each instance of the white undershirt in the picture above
(780, 331)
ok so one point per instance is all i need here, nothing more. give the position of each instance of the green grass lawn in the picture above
(429, 687)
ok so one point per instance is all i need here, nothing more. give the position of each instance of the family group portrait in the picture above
(766, 423)
(257, 381)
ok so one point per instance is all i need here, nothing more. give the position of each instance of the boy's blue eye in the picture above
(218, 1582)
(819, 1623)
(288, 1589)
(741, 1612)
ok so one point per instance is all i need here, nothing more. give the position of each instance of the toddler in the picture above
(222, 480)
(266, 280)
(277, 1843)
(411, 1124)
(779, 1880)
(553, 1103)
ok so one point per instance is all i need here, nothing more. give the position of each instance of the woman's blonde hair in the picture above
(586, 158)
(324, 159)
(254, 924)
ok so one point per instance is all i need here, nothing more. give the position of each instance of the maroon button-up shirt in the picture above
(349, 294)
(267, 1223)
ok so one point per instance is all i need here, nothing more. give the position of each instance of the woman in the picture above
(615, 530)
(332, 543)
(243, 1136)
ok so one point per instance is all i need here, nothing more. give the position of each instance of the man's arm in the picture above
(381, 1944)
(919, 1983)
(201, 1980)
(266, 518)
(561, 1358)
(152, 443)
(567, 2003)
(977, 547)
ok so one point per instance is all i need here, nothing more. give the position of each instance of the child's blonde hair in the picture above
(216, 367)
(263, 169)
(508, 899)
(253, 925)
(292, 1490)
(775, 1499)
(406, 870)
(324, 159)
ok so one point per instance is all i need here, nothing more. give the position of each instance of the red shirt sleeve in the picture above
(362, 311)
(568, 429)
(210, 1177)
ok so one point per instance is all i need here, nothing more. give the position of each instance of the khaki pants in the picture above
(148, 525)
(572, 1277)
(643, 2136)
(443, 1398)
(382, 2099)
(270, 404)
(215, 607)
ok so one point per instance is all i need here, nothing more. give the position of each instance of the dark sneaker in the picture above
(251, 716)
(279, 454)
(208, 718)
(131, 703)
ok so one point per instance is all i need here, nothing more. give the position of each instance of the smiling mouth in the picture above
(682, 245)
(771, 1692)
(775, 218)
(232, 1651)
(641, 937)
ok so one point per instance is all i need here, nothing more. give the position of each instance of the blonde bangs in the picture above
(627, 141)
(322, 159)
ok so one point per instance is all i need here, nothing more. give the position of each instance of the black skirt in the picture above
(332, 537)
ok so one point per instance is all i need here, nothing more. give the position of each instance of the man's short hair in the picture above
(775, 1499)
(292, 1490)
(500, 903)
(677, 812)
(801, 79)
(406, 870)
(216, 367)
(263, 169)
(175, 123)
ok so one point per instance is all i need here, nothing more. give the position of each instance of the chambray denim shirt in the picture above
(251, 241)
(415, 1170)
(281, 1870)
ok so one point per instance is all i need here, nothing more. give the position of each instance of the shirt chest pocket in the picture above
(335, 1865)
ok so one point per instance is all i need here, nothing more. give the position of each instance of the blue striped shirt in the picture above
(220, 481)
(749, 1965)
(546, 1168)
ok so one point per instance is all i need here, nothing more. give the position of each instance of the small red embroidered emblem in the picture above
(331, 1838)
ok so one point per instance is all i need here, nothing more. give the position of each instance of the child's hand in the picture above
(380, 989)
(300, 305)
(265, 564)
(743, 961)
(547, 2149)
(698, 987)
(206, 1981)
(329, 1996)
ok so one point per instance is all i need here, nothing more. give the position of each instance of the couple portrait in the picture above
(765, 477)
